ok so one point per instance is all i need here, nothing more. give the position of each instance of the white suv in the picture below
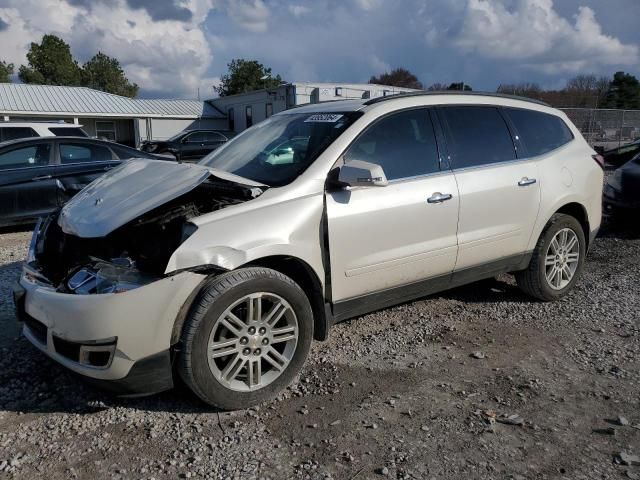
(17, 130)
(225, 271)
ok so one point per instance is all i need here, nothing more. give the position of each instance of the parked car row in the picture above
(38, 175)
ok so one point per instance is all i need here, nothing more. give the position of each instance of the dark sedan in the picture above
(622, 189)
(190, 145)
(38, 175)
(618, 156)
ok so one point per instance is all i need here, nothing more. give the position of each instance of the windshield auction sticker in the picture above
(324, 118)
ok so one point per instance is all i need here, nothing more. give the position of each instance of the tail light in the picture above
(599, 159)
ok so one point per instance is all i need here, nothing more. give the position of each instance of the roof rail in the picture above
(373, 101)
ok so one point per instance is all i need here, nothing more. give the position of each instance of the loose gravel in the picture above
(477, 382)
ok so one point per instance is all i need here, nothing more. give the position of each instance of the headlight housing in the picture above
(102, 277)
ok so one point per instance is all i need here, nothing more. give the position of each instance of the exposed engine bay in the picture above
(137, 252)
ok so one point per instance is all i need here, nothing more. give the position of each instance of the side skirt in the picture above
(371, 302)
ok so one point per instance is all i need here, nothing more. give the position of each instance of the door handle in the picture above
(439, 197)
(42, 177)
(526, 181)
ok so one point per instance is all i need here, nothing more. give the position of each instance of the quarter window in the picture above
(67, 131)
(477, 136)
(539, 132)
(232, 119)
(77, 153)
(31, 156)
(403, 144)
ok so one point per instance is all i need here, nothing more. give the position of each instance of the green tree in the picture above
(624, 92)
(51, 63)
(399, 77)
(105, 73)
(6, 69)
(246, 76)
(460, 86)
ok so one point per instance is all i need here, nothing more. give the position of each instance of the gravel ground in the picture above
(478, 382)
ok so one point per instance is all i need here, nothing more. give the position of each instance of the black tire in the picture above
(533, 280)
(216, 296)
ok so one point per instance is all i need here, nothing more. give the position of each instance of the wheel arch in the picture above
(579, 212)
(298, 270)
(303, 274)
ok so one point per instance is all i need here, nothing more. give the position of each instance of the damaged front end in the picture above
(76, 255)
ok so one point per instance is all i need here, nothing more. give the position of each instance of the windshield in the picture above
(276, 151)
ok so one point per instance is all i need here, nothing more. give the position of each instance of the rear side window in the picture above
(403, 144)
(83, 152)
(31, 156)
(539, 132)
(67, 132)
(124, 153)
(197, 137)
(14, 133)
(477, 136)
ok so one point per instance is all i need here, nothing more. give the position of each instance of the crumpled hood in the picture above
(125, 193)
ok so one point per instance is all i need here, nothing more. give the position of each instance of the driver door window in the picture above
(404, 144)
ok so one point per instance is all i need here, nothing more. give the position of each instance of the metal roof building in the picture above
(118, 118)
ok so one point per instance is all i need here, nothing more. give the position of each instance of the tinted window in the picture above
(197, 137)
(67, 132)
(232, 119)
(13, 133)
(31, 156)
(540, 132)
(403, 144)
(124, 153)
(83, 152)
(477, 136)
(212, 137)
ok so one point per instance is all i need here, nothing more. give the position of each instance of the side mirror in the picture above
(358, 173)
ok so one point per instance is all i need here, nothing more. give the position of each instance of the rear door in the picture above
(27, 184)
(381, 238)
(193, 146)
(79, 162)
(499, 192)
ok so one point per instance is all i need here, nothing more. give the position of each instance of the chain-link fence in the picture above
(606, 128)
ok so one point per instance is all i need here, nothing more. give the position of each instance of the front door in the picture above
(499, 193)
(27, 184)
(381, 238)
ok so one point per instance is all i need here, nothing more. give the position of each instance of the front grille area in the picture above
(37, 329)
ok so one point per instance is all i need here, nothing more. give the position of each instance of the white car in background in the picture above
(224, 271)
(18, 130)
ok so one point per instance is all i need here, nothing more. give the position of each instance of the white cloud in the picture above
(533, 34)
(253, 15)
(164, 57)
(368, 4)
(298, 10)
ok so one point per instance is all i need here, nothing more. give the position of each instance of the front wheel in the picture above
(557, 260)
(246, 338)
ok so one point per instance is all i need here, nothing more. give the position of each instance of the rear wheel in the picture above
(557, 260)
(246, 338)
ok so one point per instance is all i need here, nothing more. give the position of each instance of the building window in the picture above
(106, 130)
(338, 91)
(268, 110)
(232, 119)
(248, 116)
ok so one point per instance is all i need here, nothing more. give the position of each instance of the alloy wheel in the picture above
(253, 342)
(562, 257)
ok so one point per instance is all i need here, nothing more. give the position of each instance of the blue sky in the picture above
(172, 48)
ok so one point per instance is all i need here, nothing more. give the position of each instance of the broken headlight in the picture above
(103, 277)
